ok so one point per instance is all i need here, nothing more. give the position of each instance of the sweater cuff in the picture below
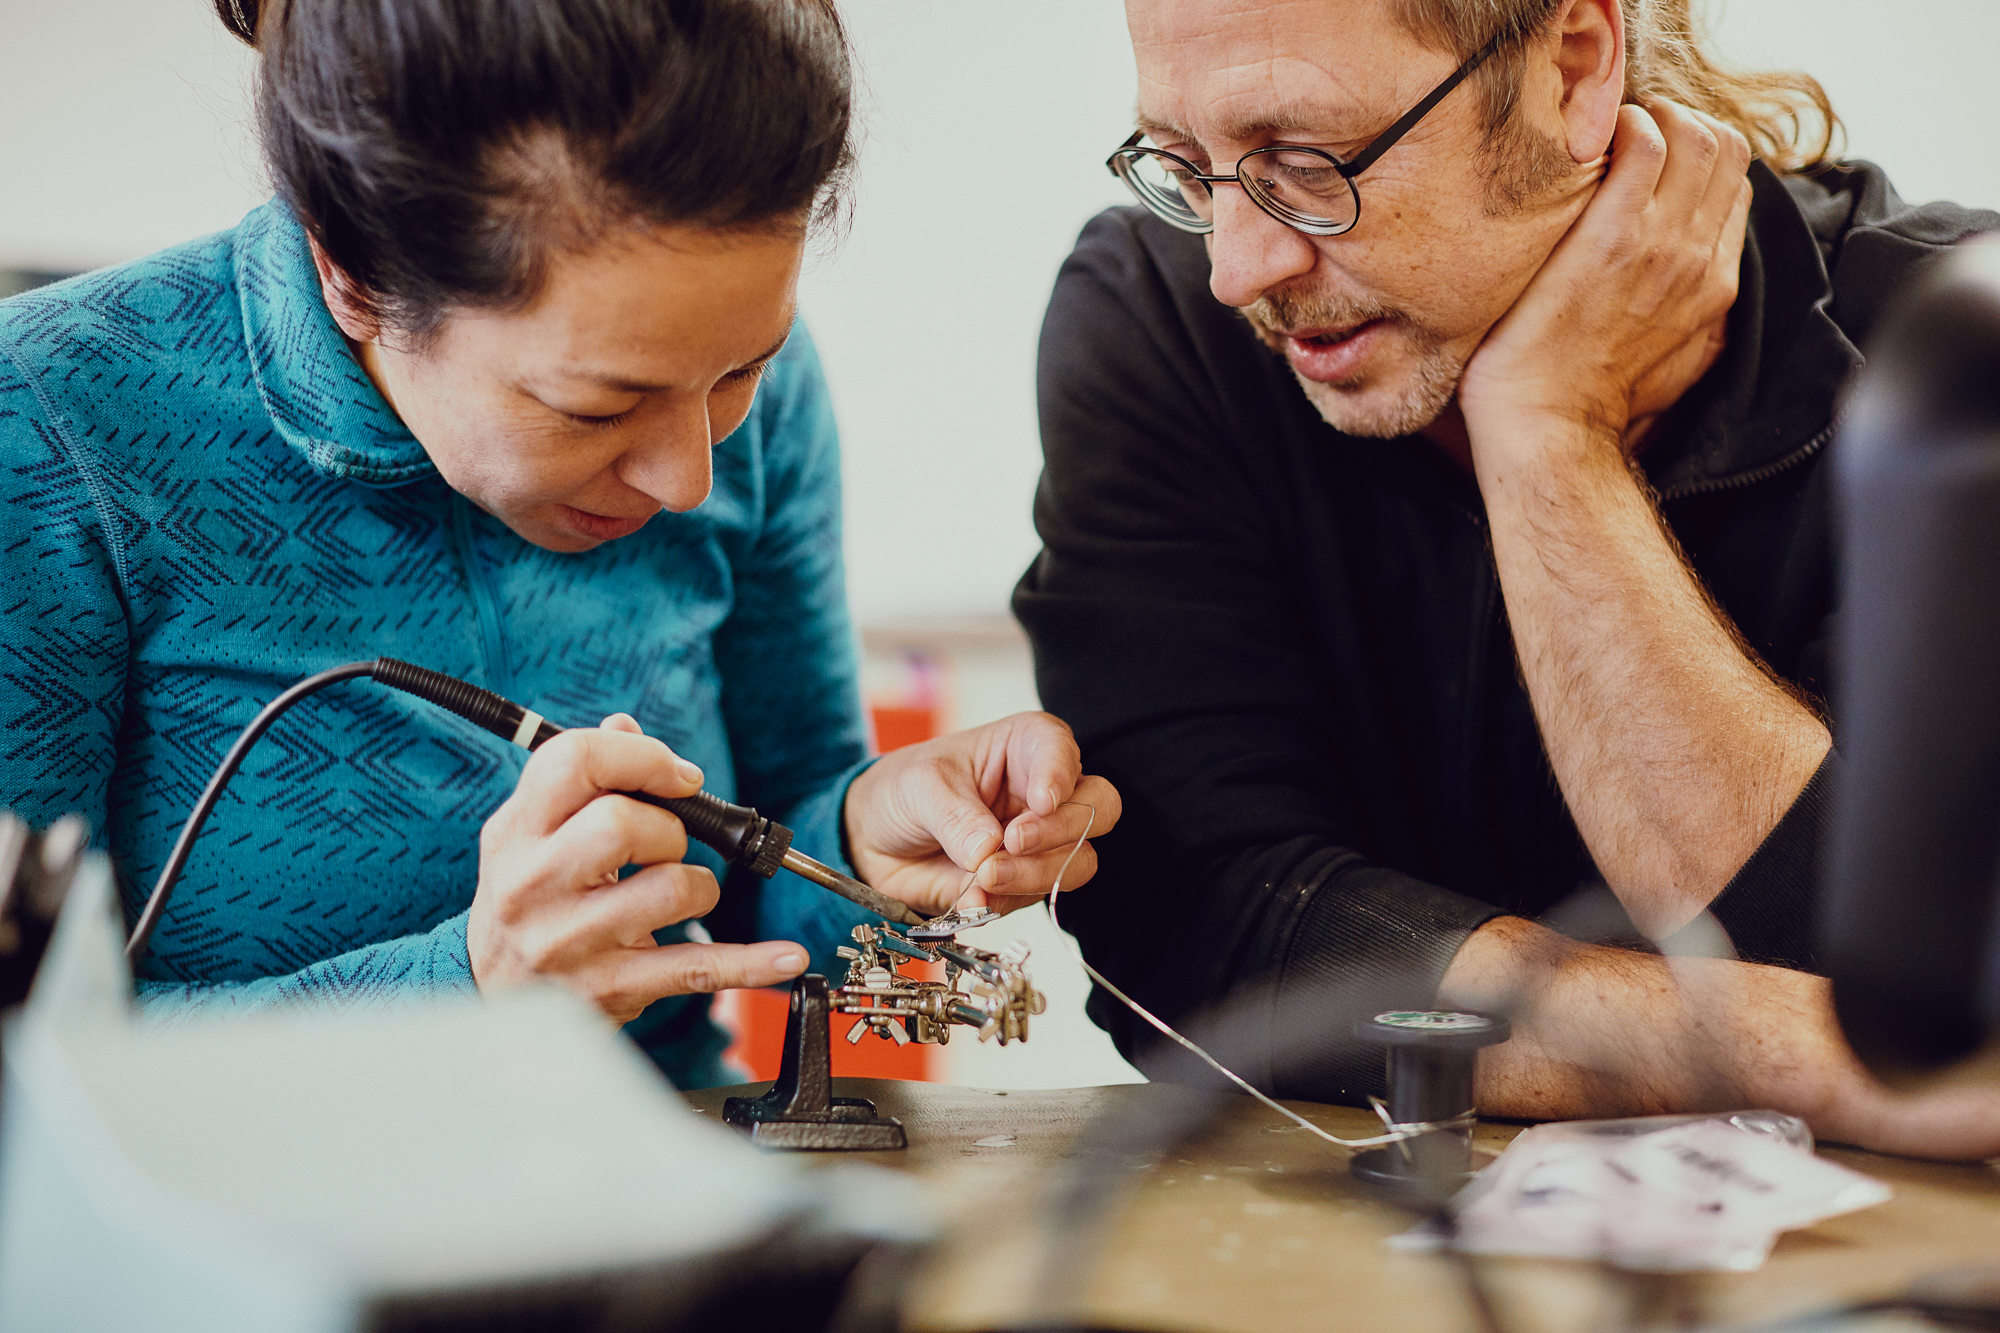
(446, 964)
(1770, 909)
(1363, 942)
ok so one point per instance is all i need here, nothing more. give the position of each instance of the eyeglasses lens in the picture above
(1301, 188)
(1164, 185)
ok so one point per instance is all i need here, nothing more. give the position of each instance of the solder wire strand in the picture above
(1397, 1132)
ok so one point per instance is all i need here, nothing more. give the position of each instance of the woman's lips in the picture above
(1334, 357)
(598, 527)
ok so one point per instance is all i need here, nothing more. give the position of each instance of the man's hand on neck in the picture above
(1675, 749)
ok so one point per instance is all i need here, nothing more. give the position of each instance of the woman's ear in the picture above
(349, 311)
(1590, 56)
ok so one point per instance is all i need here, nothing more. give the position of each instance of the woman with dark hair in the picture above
(506, 382)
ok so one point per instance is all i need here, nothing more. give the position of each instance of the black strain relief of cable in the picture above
(743, 836)
(482, 708)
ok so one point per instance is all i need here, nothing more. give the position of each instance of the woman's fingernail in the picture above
(690, 772)
(791, 964)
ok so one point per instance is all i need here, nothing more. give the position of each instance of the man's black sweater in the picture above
(1288, 650)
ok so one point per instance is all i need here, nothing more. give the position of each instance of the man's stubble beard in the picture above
(1355, 406)
(1524, 168)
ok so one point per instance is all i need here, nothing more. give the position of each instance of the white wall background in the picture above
(122, 130)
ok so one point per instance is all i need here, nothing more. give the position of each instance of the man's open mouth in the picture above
(1331, 337)
(1336, 354)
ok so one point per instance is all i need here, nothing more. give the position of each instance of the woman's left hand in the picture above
(980, 818)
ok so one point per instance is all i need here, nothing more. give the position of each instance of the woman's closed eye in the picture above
(601, 422)
(749, 374)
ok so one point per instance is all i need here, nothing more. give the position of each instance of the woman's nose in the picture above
(672, 463)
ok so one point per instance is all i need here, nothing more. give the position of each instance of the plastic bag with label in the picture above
(1663, 1194)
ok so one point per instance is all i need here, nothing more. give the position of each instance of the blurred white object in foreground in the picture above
(305, 1170)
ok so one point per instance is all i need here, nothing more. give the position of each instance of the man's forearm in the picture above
(1608, 1032)
(1676, 751)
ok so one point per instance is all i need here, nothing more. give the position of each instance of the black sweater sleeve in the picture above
(1167, 633)
(1770, 907)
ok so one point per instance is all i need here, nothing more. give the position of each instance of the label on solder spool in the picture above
(1433, 1020)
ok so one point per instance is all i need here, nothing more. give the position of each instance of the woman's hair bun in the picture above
(240, 17)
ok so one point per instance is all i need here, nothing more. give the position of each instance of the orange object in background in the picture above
(907, 702)
(897, 725)
(756, 1018)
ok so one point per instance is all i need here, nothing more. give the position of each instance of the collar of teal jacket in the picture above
(321, 400)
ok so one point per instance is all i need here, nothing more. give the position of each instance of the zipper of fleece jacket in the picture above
(485, 603)
(1739, 480)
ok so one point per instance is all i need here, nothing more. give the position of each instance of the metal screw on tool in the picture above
(1431, 1056)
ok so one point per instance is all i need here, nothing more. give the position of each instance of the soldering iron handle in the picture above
(744, 837)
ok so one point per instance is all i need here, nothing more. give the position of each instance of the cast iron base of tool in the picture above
(800, 1111)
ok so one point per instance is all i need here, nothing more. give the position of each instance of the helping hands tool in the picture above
(983, 990)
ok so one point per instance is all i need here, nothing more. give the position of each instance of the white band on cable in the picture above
(531, 722)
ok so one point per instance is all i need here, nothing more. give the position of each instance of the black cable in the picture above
(156, 902)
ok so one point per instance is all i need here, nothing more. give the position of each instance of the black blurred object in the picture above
(800, 1111)
(35, 873)
(795, 1281)
(14, 281)
(1910, 938)
(1431, 1057)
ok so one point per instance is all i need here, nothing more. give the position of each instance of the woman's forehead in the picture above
(654, 312)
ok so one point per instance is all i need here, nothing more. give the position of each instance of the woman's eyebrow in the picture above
(619, 384)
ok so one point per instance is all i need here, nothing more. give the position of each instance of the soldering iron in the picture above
(743, 837)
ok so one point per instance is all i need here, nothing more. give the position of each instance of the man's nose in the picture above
(673, 462)
(1250, 252)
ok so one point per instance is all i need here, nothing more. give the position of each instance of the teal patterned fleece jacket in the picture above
(205, 499)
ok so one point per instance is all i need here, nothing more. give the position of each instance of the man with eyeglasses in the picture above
(1435, 529)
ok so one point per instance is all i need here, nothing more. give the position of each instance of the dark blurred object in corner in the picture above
(1912, 937)
(14, 281)
(35, 873)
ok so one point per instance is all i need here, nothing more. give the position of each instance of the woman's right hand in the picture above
(550, 905)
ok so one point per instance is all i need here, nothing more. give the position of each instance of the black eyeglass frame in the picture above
(1121, 162)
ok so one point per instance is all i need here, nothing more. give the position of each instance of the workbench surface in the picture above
(1257, 1225)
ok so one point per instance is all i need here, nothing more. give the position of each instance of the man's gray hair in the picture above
(1786, 117)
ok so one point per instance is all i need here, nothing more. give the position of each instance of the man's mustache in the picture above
(1279, 315)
